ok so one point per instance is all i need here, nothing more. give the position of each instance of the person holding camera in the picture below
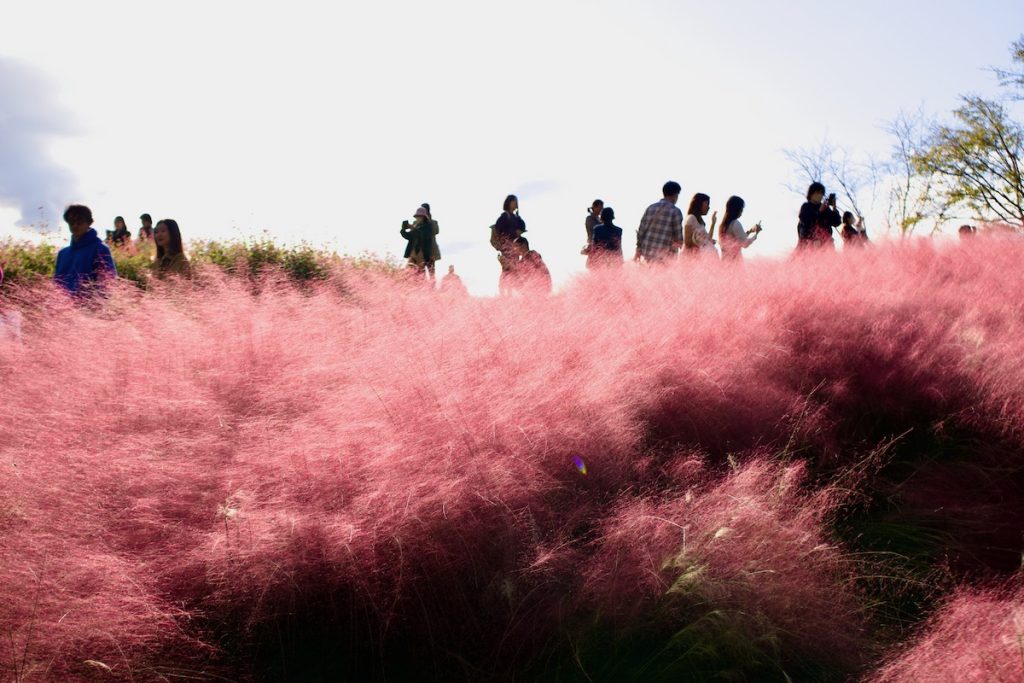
(697, 238)
(422, 245)
(731, 236)
(818, 216)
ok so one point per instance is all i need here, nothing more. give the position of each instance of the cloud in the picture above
(30, 181)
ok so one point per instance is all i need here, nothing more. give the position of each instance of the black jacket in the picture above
(816, 225)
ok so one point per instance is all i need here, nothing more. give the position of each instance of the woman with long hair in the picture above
(119, 236)
(697, 239)
(170, 255)
(732, 237)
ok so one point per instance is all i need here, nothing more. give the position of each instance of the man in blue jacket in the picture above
(86, 260)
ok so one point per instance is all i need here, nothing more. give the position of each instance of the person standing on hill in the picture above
(593, 218)
(732, 237)
(509, 226)
(146, 230)
(661, 229)
(119, 236)
(86, 261)
(697, 240)
(421, 247)
(452, 283)
(817, 218)
(529, 274)
(606, 247)
(854, 235)
(435, 251)
(170, 255)
(504, 233)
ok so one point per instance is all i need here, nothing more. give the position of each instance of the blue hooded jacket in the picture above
(84, 260)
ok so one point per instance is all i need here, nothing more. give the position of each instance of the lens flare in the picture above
(580, 465)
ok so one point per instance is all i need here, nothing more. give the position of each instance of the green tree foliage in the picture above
(977, 161)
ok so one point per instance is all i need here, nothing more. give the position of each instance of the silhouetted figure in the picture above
(606, 244)
(818, 216)
(661, 229)
(146, 230)
(528, 273)
(436, 249)
(452, 283)
(422, 245)
(854, 234)
(86, 261)
(697, 239)
(170, 254)
(508, 227)
(593, 218)
(967, 232)
(732, 237)
(119, 236)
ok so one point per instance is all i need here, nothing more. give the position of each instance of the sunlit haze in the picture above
(331, 124)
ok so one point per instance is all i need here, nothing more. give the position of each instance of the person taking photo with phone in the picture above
(731, 236)
(818, 216)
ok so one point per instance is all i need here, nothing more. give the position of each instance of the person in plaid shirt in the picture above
(661, 229)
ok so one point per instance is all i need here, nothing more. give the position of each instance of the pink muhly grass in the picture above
(753, 543)
(364, 460)
(977, 637)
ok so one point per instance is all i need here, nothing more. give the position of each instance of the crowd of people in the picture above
(664, 234)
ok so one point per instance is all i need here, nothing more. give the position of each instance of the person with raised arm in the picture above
(732, 237)
(818, 216)
(697, 238)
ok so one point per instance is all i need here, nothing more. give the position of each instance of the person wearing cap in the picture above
(420, 250)
(606, 243)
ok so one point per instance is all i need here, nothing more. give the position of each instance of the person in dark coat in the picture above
(817, 218)
(509, 225)
(86, 261)
(422, 245)
(119, 236)
(606, 248)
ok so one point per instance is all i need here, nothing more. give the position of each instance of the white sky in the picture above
(331, 123)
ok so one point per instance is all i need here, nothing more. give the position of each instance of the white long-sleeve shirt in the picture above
(696, 236)
(734, 240)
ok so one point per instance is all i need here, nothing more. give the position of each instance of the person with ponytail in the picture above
(731, 236)
(697, 240)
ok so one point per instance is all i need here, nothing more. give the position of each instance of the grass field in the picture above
(808, 470)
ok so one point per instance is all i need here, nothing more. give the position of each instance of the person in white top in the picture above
(697, 239)
(733, 238)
